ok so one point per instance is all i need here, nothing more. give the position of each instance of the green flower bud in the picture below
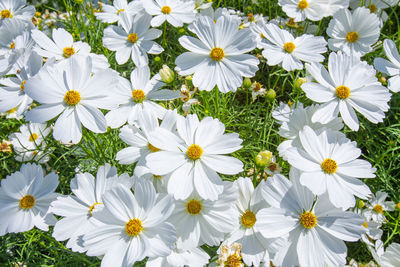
(263, 158)
(271, 94)
(167, 75)
(247, 83)
(299, 82)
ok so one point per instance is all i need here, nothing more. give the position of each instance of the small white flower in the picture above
(376, 206)
(25, 197)
(350, 85)
(281, 48)
(306, 9)
(132, 39)
(390, 67)
(112, 13)
(353, 33)
(176, 12)
(388, 258)
(16, 10)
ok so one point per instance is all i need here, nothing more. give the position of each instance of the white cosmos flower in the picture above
(280, 47)
(112, 13)
(71, 89)
(12, 93)
(390, 67)
(77, 210)
(16, 10)
(374, 6)
(386, 258)
(283, 111)
(299, 118)
(199, 221)
(349, 85)
(305, 9)
(353, 33)
(176, 12)
(139, 95)
(131, 227)
(25, 197)
(180, 257)
(218, 56)
(250, 201)
(194, 155)
(132, 39)
(329, 162)
(316, 228)
(373, 232)
(376, 206)
(215, 14)
(9, 32)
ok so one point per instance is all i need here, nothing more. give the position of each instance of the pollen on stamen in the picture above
(194, 151)
(248, 219)
(12, 46)
(152, 148)
(289, 47)
(378, 209)
(303, 4)
(365, 224)
(138, 95)
(68, 51)
(308, 219)
(91, 208)
(120, 10)
(329, 166)
(27, 202)
(33, 137)
(6, 14)
(234, 260)
(342, 92)
(133, 37)
(217, 54)
(133, 227)
(250, 17)
(22, 86)
(372, 8)
(166, 10)
(194, 207)
(72, 97)
(352, 37)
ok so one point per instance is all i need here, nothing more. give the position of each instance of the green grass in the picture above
(380, 143)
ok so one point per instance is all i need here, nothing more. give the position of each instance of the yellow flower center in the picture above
(352, 37)
(120, 10)
(12, 45)
(291, 23)
(166, 10)
(152, 148)
(11, 111)
(22, 86)
(157, 176)
(303, 4)
(248, 219)
(33, 137)
(27, 202)
(378, 208)
(68, 51)
(234, 260)
(72, 97)
(138, 95)
(308, 219)
(289, 47)
(194, 151)
(92, 207)
(263, 36)
(342, 92)
(372, 8)
(132, 37)
(365, 224)
(133, 227)
(5, 14)
(194, 207)
(329, 166)
(217, 54)
(250, 17)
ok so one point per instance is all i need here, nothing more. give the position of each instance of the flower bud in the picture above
(271, 94)
(361, 204)
(167, 75)
(157, 59)
(263, 158)
(247, 83)
(299, 82)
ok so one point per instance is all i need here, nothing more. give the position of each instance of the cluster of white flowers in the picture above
(181, 195)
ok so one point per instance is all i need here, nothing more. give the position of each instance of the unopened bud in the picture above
(361, 204)
(271, 94)
(299, 82)
(167, 75)
(157, 59)
(247, 83)
(263, 158)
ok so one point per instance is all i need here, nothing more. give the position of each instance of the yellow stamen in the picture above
(378, 208)
(194, 152)
(329, 166)
(217, 54)
(308, 219)
(27, 202)
(22, 86)
(133, 227)
(352, 37)
(138, 95)
(120, 10)
(6, 14)
(166, 10)
(68, 51)
(342, 92)
(365, 224)
(12, 46)
(303, 4)
(248, 219)
(72, 97)
(132, 37)
(194, 207)
(33, 137)
(92, 207)
(289, 47)
(152, 148)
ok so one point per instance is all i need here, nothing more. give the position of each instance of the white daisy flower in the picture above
(376, 206)
(131, 227)
(9, 32)
(351, 34)
(201, 4)
(375, 7)
(133, 39)
(329, 162)
(283, 111)
(230, 255)
(218, 56)
(12, 114)
(373, 232)
(16, 10)
(305, 9)
(281, 48)
(139, 95)
(12, 93)
(250, 201)
(350, 84)
(77, 210)
(299, 118)
(316, 228)
(390, 67)
(199, 221)
(194, 155)
(176, 12)
(25, 197)
(180, 257)
(71, 89)
(112, 13)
